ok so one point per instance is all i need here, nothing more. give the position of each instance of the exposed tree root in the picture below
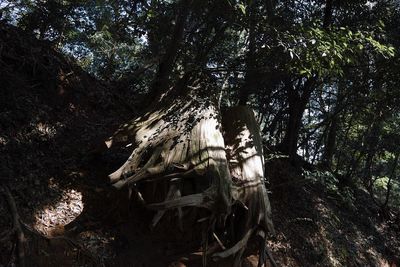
(17, 229)
(265, 252)
(72, 242)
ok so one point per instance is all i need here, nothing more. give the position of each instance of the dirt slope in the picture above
(320, 225)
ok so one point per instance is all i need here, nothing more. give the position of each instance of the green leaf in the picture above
(242, 8)
(302, 72)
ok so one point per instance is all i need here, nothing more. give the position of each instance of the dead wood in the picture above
(207, 159)
(246, 165)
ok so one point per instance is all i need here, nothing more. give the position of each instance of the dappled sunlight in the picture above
(3, 141)
(329, 247)
(62, 212)
(46, 130)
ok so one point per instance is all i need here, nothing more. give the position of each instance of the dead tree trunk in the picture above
(187, 139)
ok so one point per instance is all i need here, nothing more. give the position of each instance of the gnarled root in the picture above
(17, 229)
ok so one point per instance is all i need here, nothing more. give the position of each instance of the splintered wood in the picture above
(207, 159)
(246, 164)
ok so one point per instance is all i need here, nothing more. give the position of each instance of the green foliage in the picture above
(316, 51)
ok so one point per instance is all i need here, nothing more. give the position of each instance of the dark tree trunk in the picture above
(298, 98)
(328, 13)
(330, 145)
(165, 68)
(249, 83)
(372, 141)
(389, 183)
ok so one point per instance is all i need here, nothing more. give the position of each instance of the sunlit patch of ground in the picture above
(59, 214)
(90, 246)
(3, 141)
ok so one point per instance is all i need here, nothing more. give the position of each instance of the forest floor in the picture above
(53, 120)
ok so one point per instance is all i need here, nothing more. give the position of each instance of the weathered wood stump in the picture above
(207, 158)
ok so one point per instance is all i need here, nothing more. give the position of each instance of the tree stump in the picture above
(208, 159)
